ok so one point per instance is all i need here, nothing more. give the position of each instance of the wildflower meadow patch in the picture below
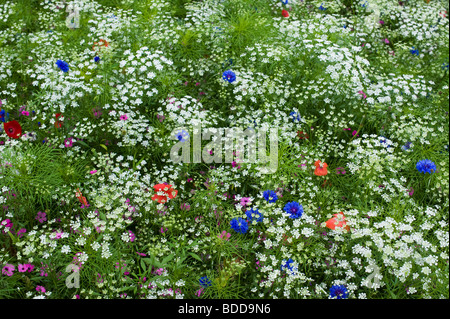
(224, 149)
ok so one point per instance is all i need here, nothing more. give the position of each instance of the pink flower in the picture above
(124, 117)
(224, 235)
(132, 236)
(386, 41)
(21, 231)
(22, 267)
(363, 94)
(68, 142)
(40, 289)
(26, 113)
(199, 292)
(93, 172)
(245, 201)
(8, 270)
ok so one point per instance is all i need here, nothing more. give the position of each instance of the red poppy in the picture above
(301, 135)
(321, 168)
(164, 193)
(337, 221)
(13, 129)
(100, 44)
(284, 13)
(58, 124)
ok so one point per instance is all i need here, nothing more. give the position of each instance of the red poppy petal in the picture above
(13, 129)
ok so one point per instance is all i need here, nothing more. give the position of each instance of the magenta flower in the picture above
(124, 117)
(26, 113)
(245, 201)
(22, 267)
(224, 235)
(199, 292)
(411, 191)
(21, 231)
(93, 172)
(41, 217)
(8, 270)
(386, 41)
(363, 94)
(68, 142)
(132, 236)
(40, 289)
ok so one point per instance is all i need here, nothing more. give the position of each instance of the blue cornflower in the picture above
(414, 51)
(407, 146)
(182, 136)
(339, 292)
(239, 225)
(229, 76)
(294, 209)
(322, 7)
(2, 115)
(285, 1)
(426, 166)
(386, 142)
(286, 264)
(254, 214)
(96, 59)
(445, 66)
(205, 282)
(270, 196)
(296, 117)
(364, 4)
(64, 66)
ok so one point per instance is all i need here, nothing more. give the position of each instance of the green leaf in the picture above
(143, 265)
(83, 143)
(167, 259)
(196, 256)
(104, 146)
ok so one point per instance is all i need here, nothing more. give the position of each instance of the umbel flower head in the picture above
(426, 166)
(229, 76)
(13, 129)
(62, 65)
(239, 225)
(294, 209)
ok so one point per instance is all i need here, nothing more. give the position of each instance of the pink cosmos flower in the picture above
(8, 270)
(26, 113)
(124, 117)
(245, 201)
